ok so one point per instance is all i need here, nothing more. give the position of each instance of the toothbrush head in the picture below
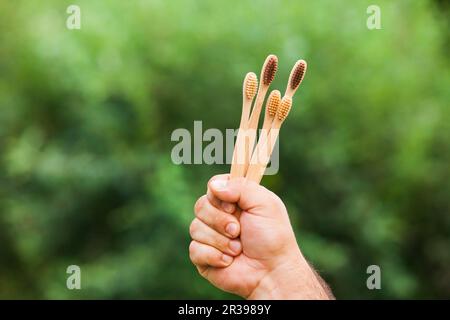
(250, 85)
(285, 107)
(273, 102)
(269, 69)
(297, 74)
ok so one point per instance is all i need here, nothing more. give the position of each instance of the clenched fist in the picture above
(243, 243)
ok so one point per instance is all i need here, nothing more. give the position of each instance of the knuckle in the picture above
(193, 228)
(223, 244)
(192, 251)
(199, 204)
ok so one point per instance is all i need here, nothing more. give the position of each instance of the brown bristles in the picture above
(298, 74)
(270, 70)
(251, 85)
(273, 103)
(284, 108)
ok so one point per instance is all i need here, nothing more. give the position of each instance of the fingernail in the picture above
(235, 246)
(227, 259)
(228, 207)
(219, 184)
(232, 229)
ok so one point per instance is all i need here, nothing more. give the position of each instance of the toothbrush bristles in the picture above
(273, 103)
(298, 74)
(284, 108)
(251, 85)
(270, 70)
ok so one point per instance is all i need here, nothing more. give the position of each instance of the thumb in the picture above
(247, 194)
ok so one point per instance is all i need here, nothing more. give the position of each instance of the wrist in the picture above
(292, 279)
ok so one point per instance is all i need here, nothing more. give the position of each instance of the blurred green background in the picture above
(86, 116)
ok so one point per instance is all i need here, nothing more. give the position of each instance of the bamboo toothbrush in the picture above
(249, 88)
(268, 72)
(264, 149)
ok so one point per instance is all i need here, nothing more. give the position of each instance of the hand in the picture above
(251, 252)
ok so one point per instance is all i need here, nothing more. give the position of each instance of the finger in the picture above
(204, 255)
(201, 232)
(224, 223)
(247, 194)
(225, 206)
(214, 200)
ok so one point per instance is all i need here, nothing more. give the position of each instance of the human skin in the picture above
(243, 243)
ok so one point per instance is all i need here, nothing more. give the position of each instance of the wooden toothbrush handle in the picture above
(238, 164)
(252, 128)
(261, 155)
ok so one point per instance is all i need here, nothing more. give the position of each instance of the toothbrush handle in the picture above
(261, 156)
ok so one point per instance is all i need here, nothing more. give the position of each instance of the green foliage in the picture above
(86, 116)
